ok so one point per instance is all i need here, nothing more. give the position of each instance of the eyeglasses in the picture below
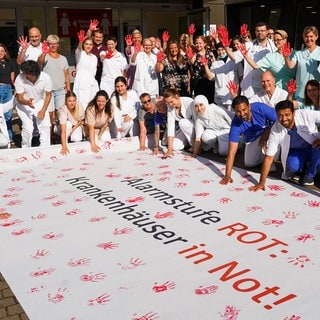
(146, 101)
(277, 40)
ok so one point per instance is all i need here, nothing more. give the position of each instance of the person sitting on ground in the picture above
(212, 127)
(125, 104)
(98, 116)
(160, 125)
(146, 119)
(181, 115)
(297, 135)
(253, 121)
(71, 120)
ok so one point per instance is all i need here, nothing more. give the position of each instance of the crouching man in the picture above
(296, 133)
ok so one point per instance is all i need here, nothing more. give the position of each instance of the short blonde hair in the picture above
(282, 33)
(53, 38)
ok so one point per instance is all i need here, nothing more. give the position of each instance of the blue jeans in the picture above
(298, 159)
(5, 96)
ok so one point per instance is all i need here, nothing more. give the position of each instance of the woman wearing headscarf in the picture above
(212, 125)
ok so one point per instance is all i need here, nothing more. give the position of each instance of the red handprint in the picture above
(191, 29)
(81, 36)
(93, 24)
(93, 277)
(52, 236)
(107, 245)
(304, 237)
(299, 261)
(79, 263)
(243, 49)
(313, 204)
(232, 87)
(122, 231)
(243, 29)
(165, 36)
(190, 53)
(160, 56)
(286, 50)
(45, 47)
(97, 219)
(225, 200)
(102, 299)
(133, 263)
(42, 272)
(136, 199)
(147, 316)
(21, 232)
(206, 290)
(11, 223)
(40, 254)
(230, 313)
(128, 40)
(168, 214)
(168, 285)
(204, 60)
(73, 212)
(291, 86)
(137, 47)
(58, 296)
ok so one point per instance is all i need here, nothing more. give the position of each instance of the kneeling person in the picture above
(297, 135)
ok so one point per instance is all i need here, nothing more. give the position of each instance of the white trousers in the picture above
(187, 127)
(253, 154)
(213, 139)
(76, 135)
(31, 123)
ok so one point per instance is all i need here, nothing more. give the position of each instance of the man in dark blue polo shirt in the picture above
(253, 122)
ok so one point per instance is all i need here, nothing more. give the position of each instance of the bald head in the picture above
(268, 82)
(34, 36)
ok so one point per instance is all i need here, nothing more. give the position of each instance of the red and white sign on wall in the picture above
(71, 21)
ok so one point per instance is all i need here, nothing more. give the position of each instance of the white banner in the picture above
(125, 235)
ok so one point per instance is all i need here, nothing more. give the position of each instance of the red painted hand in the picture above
(165, 36)
(81, 36)
(191, 29)
(291, 86)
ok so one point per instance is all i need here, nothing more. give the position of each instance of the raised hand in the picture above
(160, 56)
(204, 60)
(191, 29)
(243, 29)
(93, 24)
(109, 54)
(190, 53)
(165, 36)
(128, 39)
(243, 49)
(222, 31)
(137, 47)
(286, 50)
(23, 42)
(233, 88)
(225, 39)
(81, 35)
(291, 86)
(45, 47)
(215, 34)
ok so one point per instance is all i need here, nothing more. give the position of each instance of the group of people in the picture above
(197, 94)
